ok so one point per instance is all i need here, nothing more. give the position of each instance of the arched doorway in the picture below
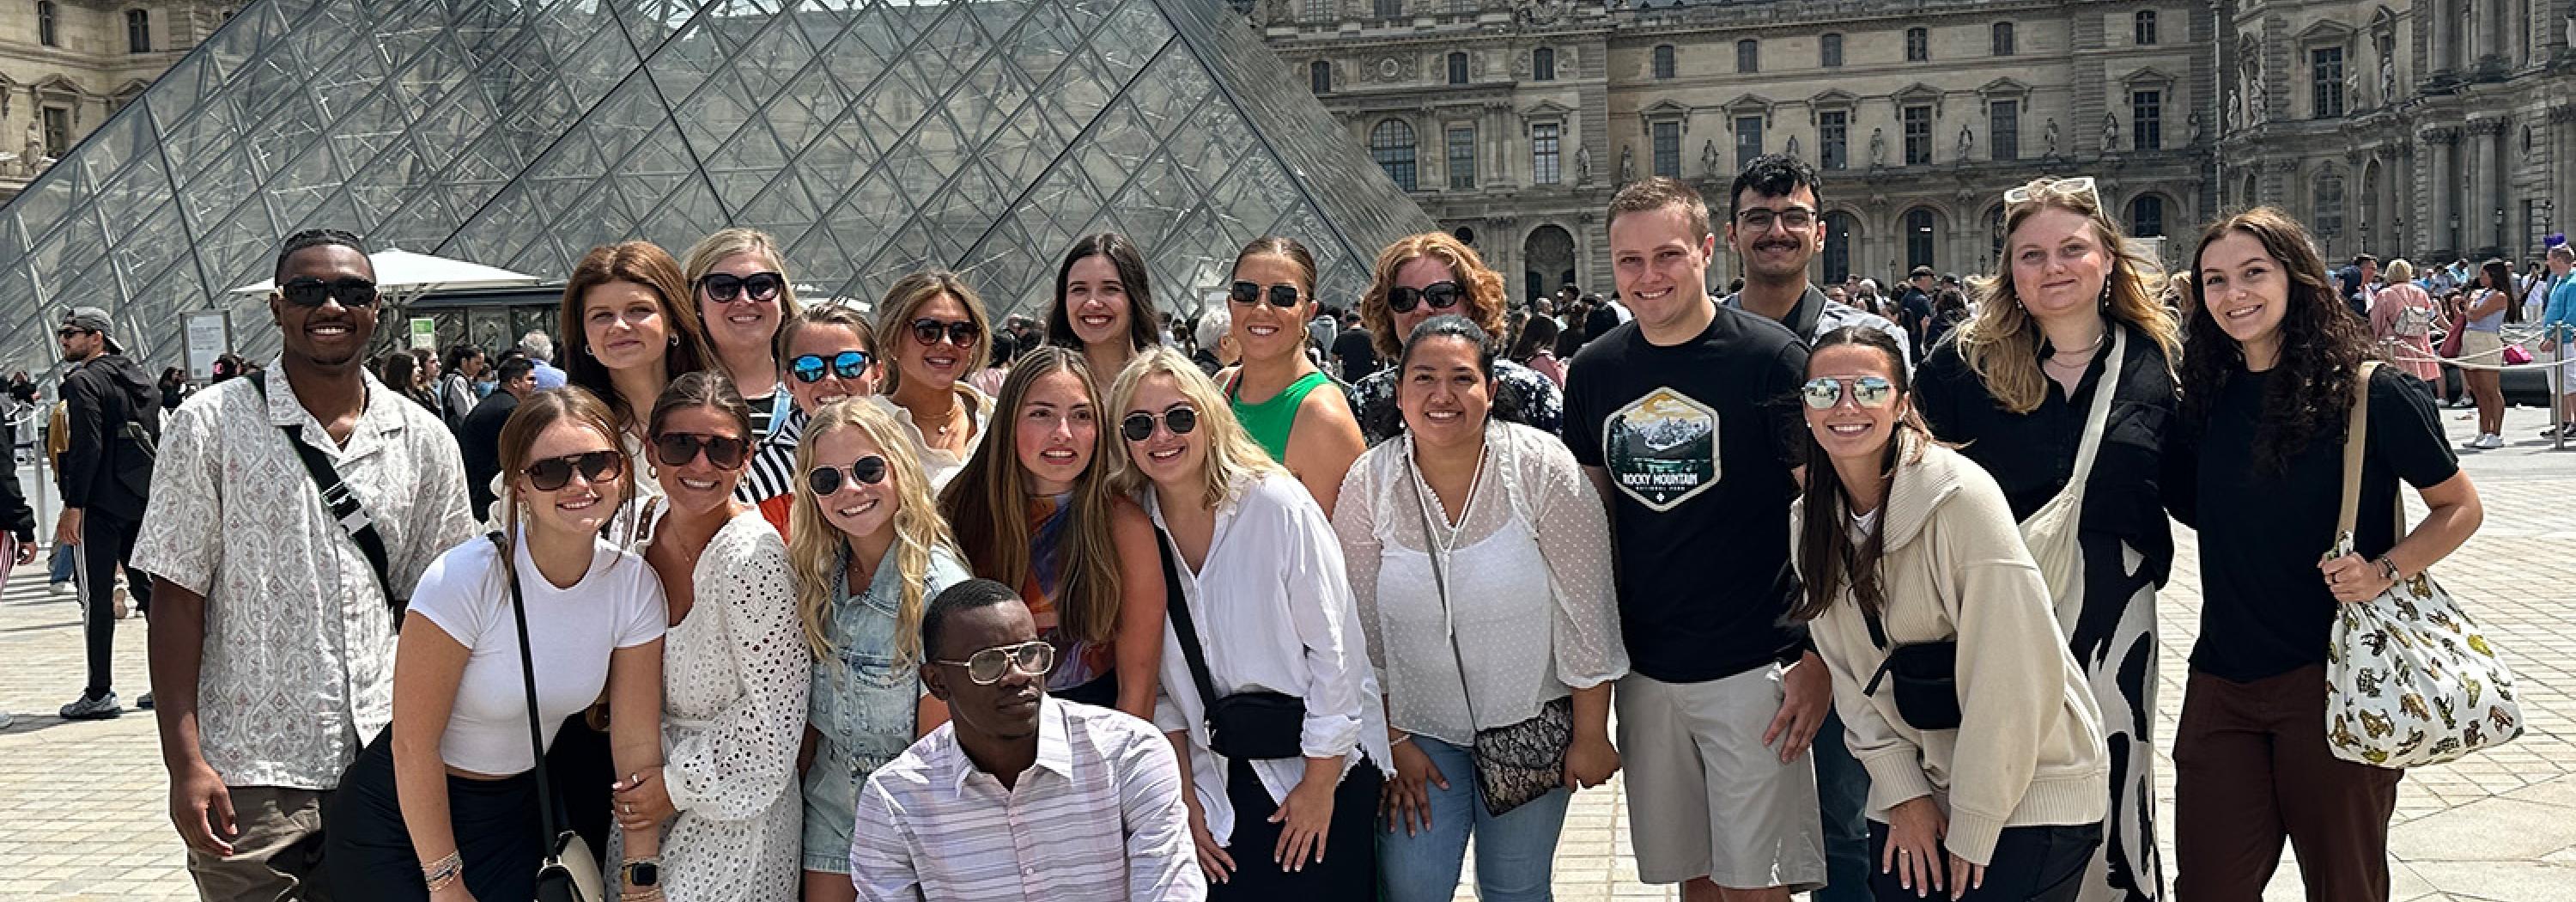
(1547, 261)
(1840, 230)
(1920, 238)
(2374, 232)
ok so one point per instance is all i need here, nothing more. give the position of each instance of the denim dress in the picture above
(861, 702)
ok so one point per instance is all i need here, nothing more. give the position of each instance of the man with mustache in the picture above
(1775, 225)
(272, 630)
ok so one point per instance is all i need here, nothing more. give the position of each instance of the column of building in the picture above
(2486, 191)
(2440, 186)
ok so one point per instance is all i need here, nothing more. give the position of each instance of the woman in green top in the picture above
(1273, 391)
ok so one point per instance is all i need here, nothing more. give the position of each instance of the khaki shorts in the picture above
(2482, 348)
(1705, 797)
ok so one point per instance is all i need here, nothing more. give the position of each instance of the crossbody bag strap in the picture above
(1439, 578)
(528, 677)
(1182, 628)
(2097, 420)
(2356, 437)
(342, 503)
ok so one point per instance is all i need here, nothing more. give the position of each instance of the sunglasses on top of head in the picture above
(812, 368)
(307, 291)
(1824, 392)
(1281, 295)
(553, 473)
(761, 287)
(961, 333)
(825, 480)
(676, 449)
(1440, 295)
(1139, 426)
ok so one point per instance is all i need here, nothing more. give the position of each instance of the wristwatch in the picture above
(642, 872)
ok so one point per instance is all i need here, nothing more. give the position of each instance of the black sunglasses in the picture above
(1440, 295)
(1139, 426)
(723, 287)
(307, 291)
(69, 332)
(826, 480)
(811, 368)
(676, 449)
(1281, 295)
(554, 472)
(960, 333)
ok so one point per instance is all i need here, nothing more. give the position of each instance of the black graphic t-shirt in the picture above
(1698, 439)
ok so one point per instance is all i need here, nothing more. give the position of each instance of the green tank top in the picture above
(1269, 421)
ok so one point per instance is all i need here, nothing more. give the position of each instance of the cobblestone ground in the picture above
(82, 812)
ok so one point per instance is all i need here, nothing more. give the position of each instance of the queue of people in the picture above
(776, 601)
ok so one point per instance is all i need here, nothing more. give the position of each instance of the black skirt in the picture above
(1349, 868)
(368, 852)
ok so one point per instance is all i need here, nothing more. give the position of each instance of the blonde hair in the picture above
(2001, 345)
(1231, 452)
(817, 551)
(894, 320)
(723, 243)
(1485, 296)
(2399, 270)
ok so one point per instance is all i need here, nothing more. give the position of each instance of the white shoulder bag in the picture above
(2050, 530)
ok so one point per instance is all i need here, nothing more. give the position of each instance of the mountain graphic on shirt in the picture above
(1662, 448)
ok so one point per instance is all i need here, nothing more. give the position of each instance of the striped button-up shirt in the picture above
(1099, 817)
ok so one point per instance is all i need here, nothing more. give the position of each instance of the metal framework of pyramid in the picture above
(872, 137)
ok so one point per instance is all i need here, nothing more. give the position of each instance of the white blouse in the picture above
(940, 463)
(735, 676)
(1530, 597)
(1273, 608)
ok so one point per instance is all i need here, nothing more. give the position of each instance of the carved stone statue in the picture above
(2571, 30)
(2235, 111)
(2110, 132)
(2048, 136)
(1627, 164)
(2193, 122)
(1877, 146)
(1967, 141)
(34, 156)
(1709, 164)
(2388, 73)
(1793, 145)
(1583, 165)
(2258, 111)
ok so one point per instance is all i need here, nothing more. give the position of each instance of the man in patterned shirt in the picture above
(272, 637)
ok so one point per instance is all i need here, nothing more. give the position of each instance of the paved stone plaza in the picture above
(82, 805)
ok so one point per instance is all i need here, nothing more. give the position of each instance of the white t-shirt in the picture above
(617, 604)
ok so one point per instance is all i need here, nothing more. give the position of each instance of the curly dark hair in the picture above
(2322, 344)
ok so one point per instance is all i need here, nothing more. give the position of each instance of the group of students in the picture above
(1371, 621)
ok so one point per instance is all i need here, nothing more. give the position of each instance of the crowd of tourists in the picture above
(762, 600)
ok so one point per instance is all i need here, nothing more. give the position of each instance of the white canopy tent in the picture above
(402, 275)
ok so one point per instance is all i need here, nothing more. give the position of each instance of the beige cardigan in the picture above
(2029, 748)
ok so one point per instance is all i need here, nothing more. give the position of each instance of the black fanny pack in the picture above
(1924, 676)
(1254, 726)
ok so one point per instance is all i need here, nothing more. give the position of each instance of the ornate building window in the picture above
(58, 131)
(1664, 65)
(138, 31)
(2003, 129)
(1387, 9)
(1319, 77)
(1391, 144)
(1748, 140)
(1918, 135)
(1838, 238)
(1544, 160)
(1457, 68)
(1668, 149)
(2147, 216)
(2146, 27)
(1543, 64)
(2328, 217)
(1829, 51)
(1918, 237)
(2003, 39)
(1315, 11)
(1748, 55)
(1918, 45)
(2146, 120)
(48, 28)
(1462, 158)
(2325, 75)
(1833, 138)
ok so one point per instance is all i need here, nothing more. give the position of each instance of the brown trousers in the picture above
(278, 855)
(2251, 768)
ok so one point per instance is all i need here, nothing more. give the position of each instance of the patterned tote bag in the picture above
(2410, 680)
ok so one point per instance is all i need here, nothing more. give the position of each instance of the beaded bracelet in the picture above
(444, 873)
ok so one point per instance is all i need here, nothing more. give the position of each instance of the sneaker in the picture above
(6, 719)
(93, 707)
(143, 702)
(2487, 442)
(66, 587)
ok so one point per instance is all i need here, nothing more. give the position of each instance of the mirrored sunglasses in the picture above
(811, 368)
(1825, 392)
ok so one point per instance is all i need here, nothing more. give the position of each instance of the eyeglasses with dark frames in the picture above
(1281, 295)
(553, 473)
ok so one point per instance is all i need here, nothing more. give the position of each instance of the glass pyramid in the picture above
(872, 137)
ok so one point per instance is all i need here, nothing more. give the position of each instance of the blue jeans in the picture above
(61, 564)
(1842, 791)
(1514, 853)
